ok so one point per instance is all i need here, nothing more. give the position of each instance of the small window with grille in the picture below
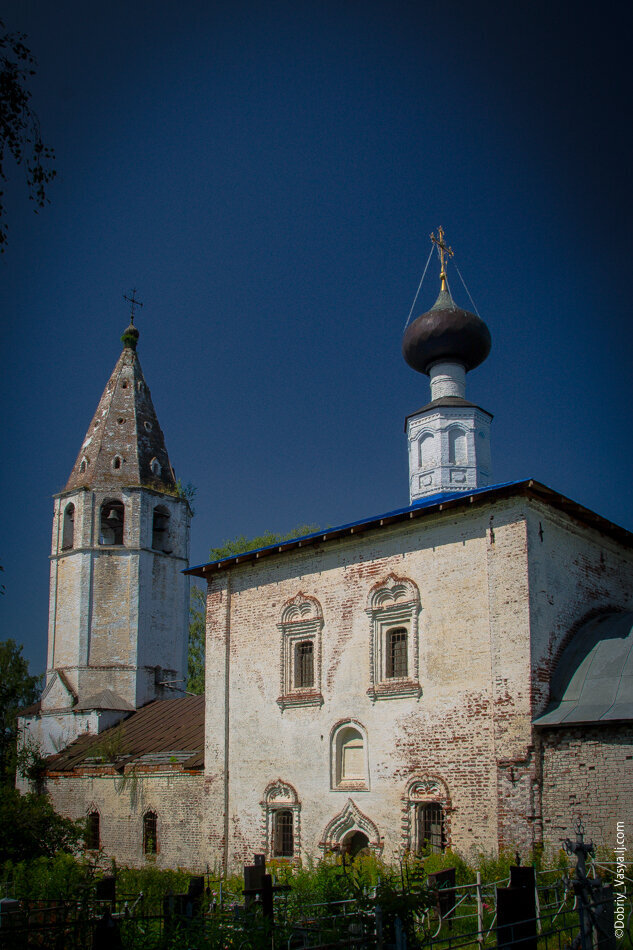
(396, 653)
(93, 831)
(283, 834)
(150, 838)
(430, 827)
(304, 665)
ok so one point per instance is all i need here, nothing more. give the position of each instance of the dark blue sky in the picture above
(267, 174)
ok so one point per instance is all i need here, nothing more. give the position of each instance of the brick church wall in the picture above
(174, 796)
(587, 772)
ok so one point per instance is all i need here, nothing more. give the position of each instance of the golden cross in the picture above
(135, 303)
(444, 250)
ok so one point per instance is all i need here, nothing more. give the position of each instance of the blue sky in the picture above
(267, 175)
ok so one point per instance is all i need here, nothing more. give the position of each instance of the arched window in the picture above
(457, 450)
(283, 833)
(304, 664)
(112, 522)
(352, 756)
(427, 810)
(430, 821)
(155, 467)
(393, 609)
(427, 451)
(150, 835)
(281, 808)
(300, 627)
(349, 756)
(68, 531)
(160, 530)
(397, 666)
(93, 837)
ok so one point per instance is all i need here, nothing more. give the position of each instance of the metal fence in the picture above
(463, 916)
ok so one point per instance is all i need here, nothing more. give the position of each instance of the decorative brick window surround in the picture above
(300, 666)
(393, 609)
(281, 820)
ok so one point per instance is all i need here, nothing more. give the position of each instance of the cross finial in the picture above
(444, 252)
(134, 303)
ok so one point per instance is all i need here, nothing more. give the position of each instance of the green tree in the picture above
(241, 544)
(195, 673)
(30, 828)
(19, 125)
(18, 688)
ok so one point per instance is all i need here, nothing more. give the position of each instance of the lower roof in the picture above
(163, 731)
(593, 679)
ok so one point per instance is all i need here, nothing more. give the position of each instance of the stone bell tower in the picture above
(449, 438)
(118, 612)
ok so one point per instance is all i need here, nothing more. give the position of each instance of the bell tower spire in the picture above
(118, 617)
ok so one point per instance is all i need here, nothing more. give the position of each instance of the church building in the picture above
(456, 673)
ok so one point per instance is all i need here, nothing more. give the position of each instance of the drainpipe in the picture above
(227, 669)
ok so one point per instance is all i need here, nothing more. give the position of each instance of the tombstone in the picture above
(516, 917)
(11, 918)
(254, 879)
(603, 918)
(523, 876)
(107, 934)
(445, 899)
(105, 889)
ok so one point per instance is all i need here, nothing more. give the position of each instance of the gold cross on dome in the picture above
(444, 251)
(134, 302)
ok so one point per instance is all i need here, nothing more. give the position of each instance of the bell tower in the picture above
(118, 610)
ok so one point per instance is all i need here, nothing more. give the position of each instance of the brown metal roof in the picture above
(166, 730)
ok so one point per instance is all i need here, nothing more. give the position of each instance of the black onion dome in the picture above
(446, 334)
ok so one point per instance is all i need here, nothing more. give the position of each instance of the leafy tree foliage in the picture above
(195, 677)
(30, 828)
(19, 125)
(18, 688)
(241, 544)
(195, 672)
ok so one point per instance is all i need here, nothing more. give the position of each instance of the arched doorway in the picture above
(354, 842)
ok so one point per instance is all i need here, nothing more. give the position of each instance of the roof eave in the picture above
(528, 487)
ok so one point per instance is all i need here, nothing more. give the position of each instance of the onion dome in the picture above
(130, 337)
(446, 334)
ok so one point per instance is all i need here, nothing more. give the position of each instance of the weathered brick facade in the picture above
(500, 587)
(122, 801)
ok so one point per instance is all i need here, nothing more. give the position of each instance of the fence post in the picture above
(480, 911)
(537, 903)
(378, 919)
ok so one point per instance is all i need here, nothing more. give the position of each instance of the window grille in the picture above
(150, 839)
(304, 665)
(92, 832)
(283, 834)
(430, 831)
(397, 653)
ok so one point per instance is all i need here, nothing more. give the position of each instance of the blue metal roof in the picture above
(432, 501)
